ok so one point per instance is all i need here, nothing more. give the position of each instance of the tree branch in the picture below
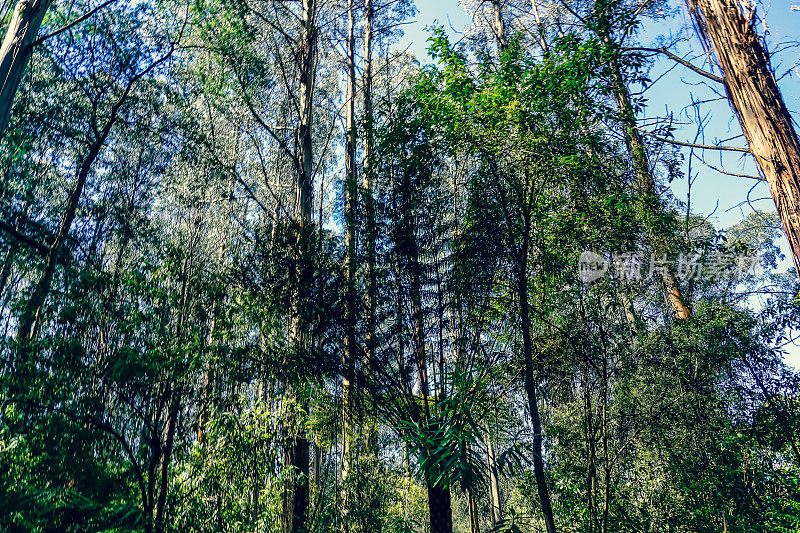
(36, 245)
(72, 24)
(712, 167)
(693, 145)
(679, 59)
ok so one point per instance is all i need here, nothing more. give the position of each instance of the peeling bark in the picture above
(754, 95)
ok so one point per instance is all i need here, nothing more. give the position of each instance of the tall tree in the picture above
(609, 15)
(350, 197)
(753, 93)
(297, 452)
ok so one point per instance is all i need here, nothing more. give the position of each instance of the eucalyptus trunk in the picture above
(499, 25)
(647, 190)
(753, 93)
(495, 508)
(350, 196)
(16, 51)
(296, 453)
(366, 185)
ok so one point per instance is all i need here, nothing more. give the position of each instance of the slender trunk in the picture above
(474, 523)
(472, 506)
(350, 195)
(16, 51)
(499, 25)
(174, 411)
(370, 321)
(304, 193)
(606, 463)
(495, 507)
(296, 454)
(541, 29)
(317, 471)
(156, 451)
(208, 379)
(753, 93)
(530, 384)
(591, 451)
(173, 396)
(30, 320)
(366, 184)
(630, 314)
(6, 271)
(647, 189)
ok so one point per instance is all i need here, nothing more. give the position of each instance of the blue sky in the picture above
(722, 198)
(709, 186)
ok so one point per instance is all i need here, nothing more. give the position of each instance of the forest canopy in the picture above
(267, 267)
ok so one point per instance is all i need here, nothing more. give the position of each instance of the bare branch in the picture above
(678, 59)
(693, 145)
(712, 167)
(72, 24)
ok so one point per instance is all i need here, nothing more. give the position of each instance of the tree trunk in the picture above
(647, 189)
(366, 184)
(440, 508)
(754, 95)
(474, 522)
(296, 455)
(208, 378)
(174, 412)
(495, 507)
(208, 370)
(16, 51)
(30, 320)
(350, 196)
(499, 26)
(304, 193)
(591, 451)
(541, 29)
(530, 384)
(472, 506)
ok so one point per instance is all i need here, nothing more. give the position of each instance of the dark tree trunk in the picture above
(530, 383)
(440, 509)
(296, 512)
(31, 319)
(296, 455)
(163, 489)
(366, 185)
